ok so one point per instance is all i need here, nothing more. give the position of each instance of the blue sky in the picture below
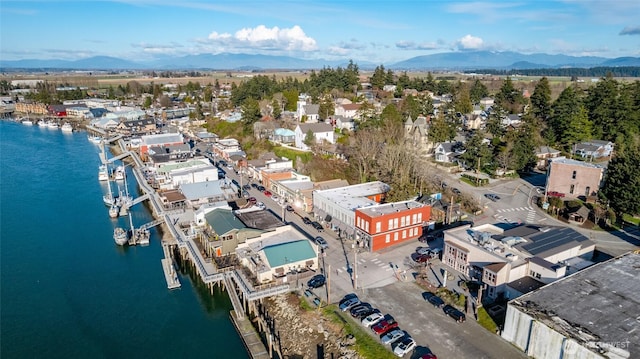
(375, 31)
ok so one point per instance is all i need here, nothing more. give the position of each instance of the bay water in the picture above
(67, 290)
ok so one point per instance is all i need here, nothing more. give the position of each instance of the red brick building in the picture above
(385, 225)
(574, 178)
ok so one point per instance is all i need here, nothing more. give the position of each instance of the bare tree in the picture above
(365, 147)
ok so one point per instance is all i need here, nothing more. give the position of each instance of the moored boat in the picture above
(95, 139)
(66, 127)
(26, 121)
(114, 211)
(103, 173)
(52, 125)
(120, 236)
(42, 123)
(118, 174)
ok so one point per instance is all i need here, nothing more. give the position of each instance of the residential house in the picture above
(383, 225)
(344, 123)
(225, 232)
(447, 152)
(502, 256)
(303, 100)
(594, 149)
(574, 178)
(417, 133)
(321, 132)
(544, 154)
(349, 110)
(283, 135)
(143, 125)
(227, 147)
(312, 113)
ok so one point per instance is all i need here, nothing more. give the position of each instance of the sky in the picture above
(369, 30)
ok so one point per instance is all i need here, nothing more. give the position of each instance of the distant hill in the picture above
(462, 60)
(495, 60)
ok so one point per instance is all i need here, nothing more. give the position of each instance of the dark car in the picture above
(433, 299)
(317, 226)
(493, 197)
(455, 190)
(360, 308)
(252, 199)
(289, 208)
(347, 297)
(246, 187)
(365, 313)
(306, 220)
(454, 313)
(420, 258)
(254, 185)
(321, 242)
(260, 188)
(316, 281)
(427, 238)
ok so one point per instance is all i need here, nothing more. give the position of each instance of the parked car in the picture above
(362, 311)
(454, 313)
(254, 185)
(423, 250)
(433, 299)
(455, 190)
(316, 281)
(404, 346)
(267, 193)
(322, 243)
(428, 356)
(306, 220)
(260, 188)
(384, 325)
(435, 252)
(427, 238)
(252, 199)
(317, 226)
(420, 258)
(246, 187)
(289, 208)
(245, 194)
(372, 319)
(392, 336)
(493, 197)
(261, 205)
(347, 297)
(349, 303)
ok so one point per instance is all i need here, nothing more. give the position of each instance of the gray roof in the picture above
(198, 190)
(599, 304)
(549, 240)
(315, 127)
(259, 219)
(311, 109)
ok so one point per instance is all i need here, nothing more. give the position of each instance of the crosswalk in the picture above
(364, 262)
(505, 214)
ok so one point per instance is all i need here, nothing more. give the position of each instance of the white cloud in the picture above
(264, 38)
(469, 42)
(410, 45)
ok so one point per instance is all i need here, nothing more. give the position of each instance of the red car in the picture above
(384, 326)
(267, 193)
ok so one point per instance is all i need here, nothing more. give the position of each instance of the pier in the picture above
(242, 293)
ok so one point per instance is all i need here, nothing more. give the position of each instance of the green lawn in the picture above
(631, 219)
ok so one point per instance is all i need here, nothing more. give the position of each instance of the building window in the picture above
(573, 187)
(573, 176)
(587, 191)
(419, 217)
(395, 236)
(404, 234)
(535, 274)
(390, 227)
(402, 223)
(358, 222)
(387, 238)
(366, 227)
(378, 227)
(415, 218)
(395, 223)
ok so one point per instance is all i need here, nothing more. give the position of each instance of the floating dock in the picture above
(170, 274)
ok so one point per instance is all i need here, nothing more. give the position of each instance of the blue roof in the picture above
(284, 132)
(290, 252)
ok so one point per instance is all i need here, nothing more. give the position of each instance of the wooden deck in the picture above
(250, 337)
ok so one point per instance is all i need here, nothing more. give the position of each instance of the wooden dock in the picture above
(250, 337)
(170, 274)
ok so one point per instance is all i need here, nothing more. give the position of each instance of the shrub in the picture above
(485, 320)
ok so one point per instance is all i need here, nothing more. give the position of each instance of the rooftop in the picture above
(162, 138)
(382, 209)
(223, 221)
(595, 306)
(568, 161)
(289, 252)
(355, 196)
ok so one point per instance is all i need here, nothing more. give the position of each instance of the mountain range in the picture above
(463, 60)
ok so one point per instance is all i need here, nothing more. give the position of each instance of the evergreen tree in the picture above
(250, 114)
(478, 91)
(541, 100)
(441, 130)
(622, 183)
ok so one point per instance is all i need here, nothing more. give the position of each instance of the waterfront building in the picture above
(591, 314)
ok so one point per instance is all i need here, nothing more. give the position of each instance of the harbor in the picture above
(242, 294)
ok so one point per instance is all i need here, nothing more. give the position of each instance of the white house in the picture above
(321, 132)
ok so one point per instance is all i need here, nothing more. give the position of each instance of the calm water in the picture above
(67, 290)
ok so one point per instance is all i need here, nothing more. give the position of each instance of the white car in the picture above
(261, 205)
(404, 346)
(372, 319)
(392, 336)
(275, 198)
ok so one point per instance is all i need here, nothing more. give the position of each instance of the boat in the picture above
(26, 121)
(52, 125)
(118, 174)
(42, 123)
(95, 139)
(120, 236)
(103, 173)
(66, 127)
(114, 211)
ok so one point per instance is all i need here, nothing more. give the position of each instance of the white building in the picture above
(321, 132)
